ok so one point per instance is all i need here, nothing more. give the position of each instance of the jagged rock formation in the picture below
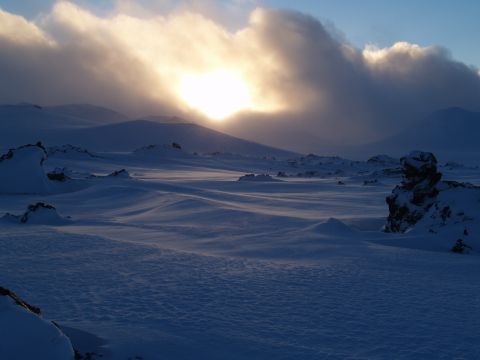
(58, 174)
(69, 149)
(259, 177)
(427, 205)
(39, 213)
(418, 191)
(122, 173)
(160, 147)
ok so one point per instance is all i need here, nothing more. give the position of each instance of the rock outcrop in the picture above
(69, 149)
(426, 205)
(259, 177)
(418, 191)
(38, 213)
(122, 173)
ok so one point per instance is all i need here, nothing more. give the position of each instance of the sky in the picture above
(280, 72)
(452, 24)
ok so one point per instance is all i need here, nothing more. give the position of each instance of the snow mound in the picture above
(26, 335)
(21, 170)
(71, 150)
(455, 213)
(333, 227)
(39, 213)
(259, 177)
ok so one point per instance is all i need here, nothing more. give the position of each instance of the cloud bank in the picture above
(306, 82)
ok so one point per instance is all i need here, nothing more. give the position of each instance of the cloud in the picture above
(305, 80)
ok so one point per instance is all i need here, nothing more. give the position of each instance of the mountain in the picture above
(165, 119)
(65, 116)
(127, 136)
(91, 114)
(452, 134)
(101, 129)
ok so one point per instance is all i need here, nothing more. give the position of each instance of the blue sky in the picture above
(452, 24)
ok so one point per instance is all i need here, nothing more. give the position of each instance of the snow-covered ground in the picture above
(177, 259)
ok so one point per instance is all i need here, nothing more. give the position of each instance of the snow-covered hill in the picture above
(100, 129)
(90, 114)
(29, 123)
(452, 134)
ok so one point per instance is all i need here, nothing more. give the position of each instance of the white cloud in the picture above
(299, 75)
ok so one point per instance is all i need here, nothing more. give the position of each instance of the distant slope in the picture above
(127, 136)
(91, 114)
(101, 129)
(453, 129)
(29, 123)
(31, 116)
(165, 119)
(452, 133)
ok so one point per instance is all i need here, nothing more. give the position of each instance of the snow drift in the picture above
(25, 335)
(21, 170)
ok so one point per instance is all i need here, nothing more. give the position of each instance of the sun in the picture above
(217, 94)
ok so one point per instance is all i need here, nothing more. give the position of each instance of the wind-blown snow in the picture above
(174, 258)
(26, 335)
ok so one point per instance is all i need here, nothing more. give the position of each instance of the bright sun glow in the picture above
(217, 94)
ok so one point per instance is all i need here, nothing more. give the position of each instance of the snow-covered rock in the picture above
(410, 200)
(161, 151)
(164, 148)
(70, 150)
(25, 335)
(259, 177)
(372, 182)
(425, 204)
(122, 173)
(39, 213)
(58, 174)
(312, 160)
(21, 170)
(455, 213)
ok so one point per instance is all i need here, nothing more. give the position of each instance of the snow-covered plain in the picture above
(177, 259)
